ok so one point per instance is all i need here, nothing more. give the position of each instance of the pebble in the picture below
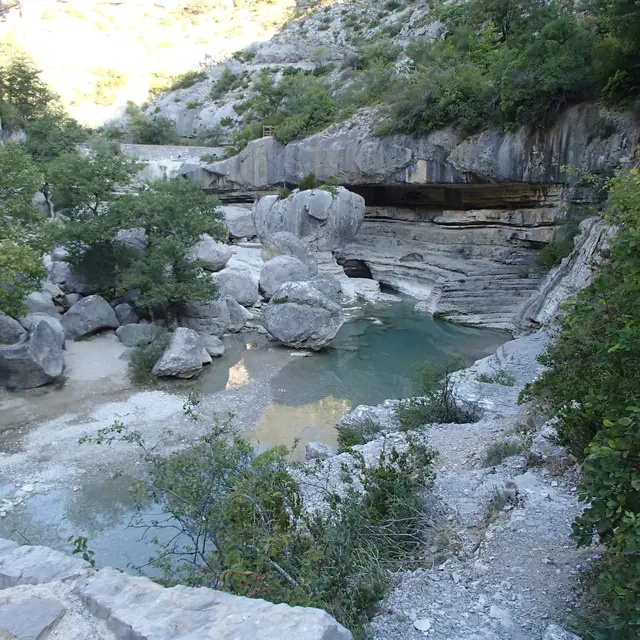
(424, 624)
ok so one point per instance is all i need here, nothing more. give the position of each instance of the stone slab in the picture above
(30, 619)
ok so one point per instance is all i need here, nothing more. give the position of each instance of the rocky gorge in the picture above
(263, 270)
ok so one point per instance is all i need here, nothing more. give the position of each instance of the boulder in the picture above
(279, 270)
(213, 345)
(11, 331)
(182, 357)
(132, 241)
(59, 272)
(214, 317)
(29, 321)
(34, 362)
(318, 450)
(77, 283)
(284, 243)
(329, 285)
(213, 255)
(125, 314)
(239, 221)
(40, 302)
(87, 316)
(325, 220)
(54, 291)
(301, 317)
(239, 284)
(72, 298)
(59, 254)
(131, 335)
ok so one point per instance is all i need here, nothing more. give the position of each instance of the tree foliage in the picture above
(592, 383)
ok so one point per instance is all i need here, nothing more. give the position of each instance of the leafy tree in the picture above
(150, 129)
(23, 93)
(21, 228)
(173, 214)
(83, 183)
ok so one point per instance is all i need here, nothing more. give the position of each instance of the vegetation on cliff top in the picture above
(509, 62)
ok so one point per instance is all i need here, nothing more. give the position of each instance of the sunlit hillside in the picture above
(97, 54)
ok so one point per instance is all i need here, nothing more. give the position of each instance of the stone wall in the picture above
(46, 594)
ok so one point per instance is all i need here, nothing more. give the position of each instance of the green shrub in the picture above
(308, 182)
(284, 193)
(501, 377)
(438, 402)
(187, 80)
(194, 104)
(226, 122)
(244, 528)
(499, 451)
(108, 85)
(150, 129)
(359, 433)
(210, 157)
(591, 383)
(145, 356)
(223, 84)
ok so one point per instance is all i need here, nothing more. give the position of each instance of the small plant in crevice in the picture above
(498, 451)
(437, 403)
(308, 182)
(357, 433)
(501, 377)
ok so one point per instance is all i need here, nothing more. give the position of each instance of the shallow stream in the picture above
(278, 398)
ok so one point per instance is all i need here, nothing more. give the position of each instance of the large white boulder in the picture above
(325, 220)
(238, 221)
(279, 270)
(33, 362)
(11, 331)
(214, 317)
(32, 319)
(213, 255)
(284, 243)
(131, 335)
(182, 357)
(88, 316)
(239, 284)
(302, 317)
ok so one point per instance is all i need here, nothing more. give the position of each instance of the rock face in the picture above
(34, 362)
(574, 273)
(239, 222)
(239, 284)
(182, 357)
(359, 158)
(11, 331)
(284, 243)
(214, 317)
(133, 607)
(212, 254)
(301, 317)
(324, 220)
(279, 270)
(88, 316)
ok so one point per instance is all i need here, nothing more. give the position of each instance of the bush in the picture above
(145, 356)
(438, 403)
(359, 433)
(308, 182)
(501, 377)
(223, 84)
(499, 451)
(187, 80)
(244, 528)
(592, 382)
(108, 85)
(153, 130)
